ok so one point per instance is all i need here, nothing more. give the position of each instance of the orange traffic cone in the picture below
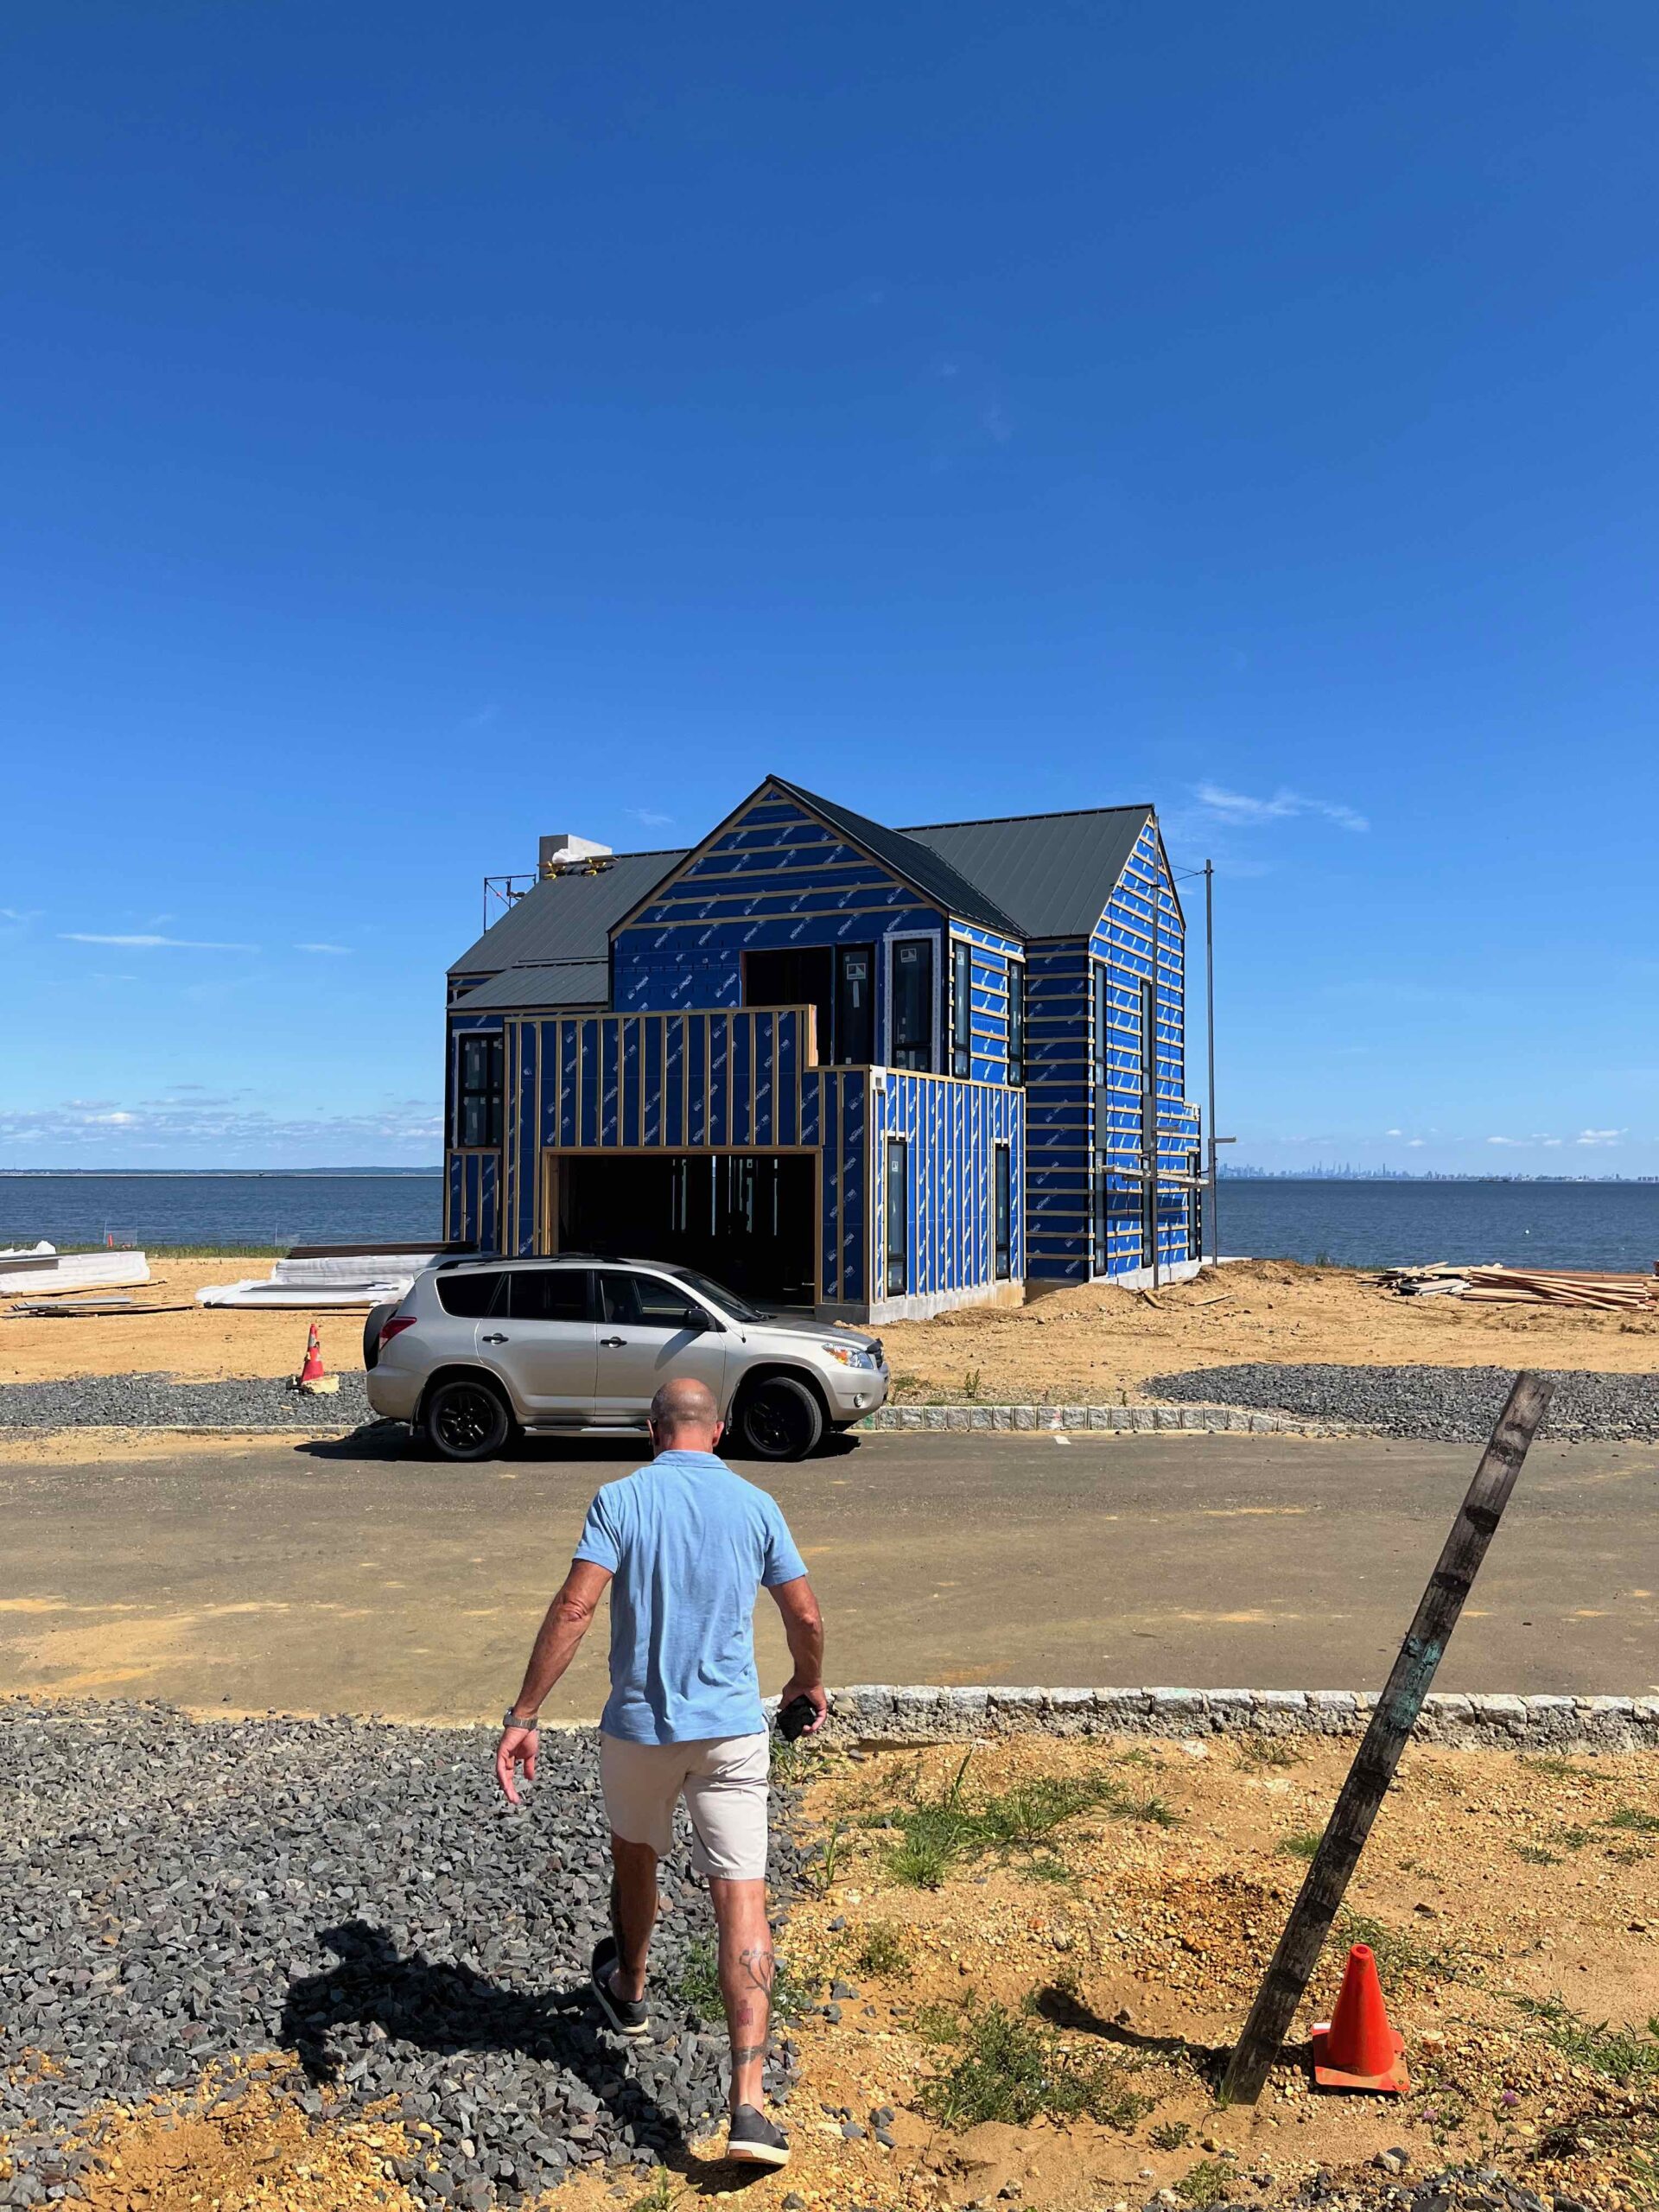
(311, 1376)
(1356, 2047)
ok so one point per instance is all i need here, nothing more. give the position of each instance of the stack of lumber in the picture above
(1499, 1286)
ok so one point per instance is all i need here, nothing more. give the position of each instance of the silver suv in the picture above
(480, 1349)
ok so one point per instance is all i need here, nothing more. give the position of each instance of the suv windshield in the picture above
(728, 1301)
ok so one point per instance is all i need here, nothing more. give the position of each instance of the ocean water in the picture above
(1613, 1225)
(153, 1211)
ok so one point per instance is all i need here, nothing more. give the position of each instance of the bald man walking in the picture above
(685, 1545)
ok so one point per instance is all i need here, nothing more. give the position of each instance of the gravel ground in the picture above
(1446, 1404)
(249, 1401)
(355, 1892)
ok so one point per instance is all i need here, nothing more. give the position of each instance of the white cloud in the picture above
(652, 821)
(1524, 1141)
(1413, 1143)
(21, 913)
(222, 1130)
(322, 947)
(1599, 1136)
(1387, 1133)
(143, 941)
(1243, 812)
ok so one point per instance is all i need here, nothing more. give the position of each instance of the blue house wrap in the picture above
(877, 1072)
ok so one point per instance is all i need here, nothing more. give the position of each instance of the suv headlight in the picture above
(849, 1355)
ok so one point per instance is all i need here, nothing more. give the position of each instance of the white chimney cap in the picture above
(562, 846)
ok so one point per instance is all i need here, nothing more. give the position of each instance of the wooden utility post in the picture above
(1379, 1755)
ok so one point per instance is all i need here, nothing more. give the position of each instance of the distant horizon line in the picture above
(1226, 1173)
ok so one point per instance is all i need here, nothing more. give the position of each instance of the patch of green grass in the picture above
(1044, 1867)
(883, 1950)
(1170, 2135)
(1399, 1955)
(1301, 1844)
(697, 1987)
(1534, 1854)
(1558, 1768)
(1153, 1812)
(1013, 2070)
(1621, 2054)
(662, 2195)
(1267, 1750)
(1630, 1854)
(970, 1383)
(938, 1834)
(1634, 1819)
(1209, 2182)
(936, 2023)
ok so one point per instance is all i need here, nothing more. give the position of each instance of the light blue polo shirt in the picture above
(689, 1544)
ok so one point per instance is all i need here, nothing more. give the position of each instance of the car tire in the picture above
(779, 1418)
(378, 1317)
(465, 1418)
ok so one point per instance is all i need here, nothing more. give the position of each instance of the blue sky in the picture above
(422, 431)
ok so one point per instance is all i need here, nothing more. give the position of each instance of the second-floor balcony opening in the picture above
(838, 980)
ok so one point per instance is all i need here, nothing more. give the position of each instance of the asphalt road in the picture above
(317, 1578)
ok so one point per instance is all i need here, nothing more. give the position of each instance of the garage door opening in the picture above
(746, 1219)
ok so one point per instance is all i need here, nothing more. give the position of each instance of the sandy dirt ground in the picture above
(166, 1332)
(1511, 1903)
(1086, 1345)
(1094, 1343)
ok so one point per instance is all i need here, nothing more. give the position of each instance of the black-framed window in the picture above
(896, 1238)
(1016, 1022)
(550, 1295)
(478, 1091)
(1002, 1209)
(961, 1007)
(1102, 1021)
(911, 1016)
(1149, 1159)
(855, 1005)
(1102, 1213)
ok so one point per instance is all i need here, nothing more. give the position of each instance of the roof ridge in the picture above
(989, 915)
(1051, 813)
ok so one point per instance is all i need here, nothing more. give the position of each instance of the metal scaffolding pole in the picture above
(1209, 1039)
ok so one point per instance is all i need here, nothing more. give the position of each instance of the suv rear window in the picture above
(470, 1297)
(547, 1294)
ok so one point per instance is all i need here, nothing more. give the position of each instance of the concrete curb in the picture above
(886, 1714)
(1120, 1420)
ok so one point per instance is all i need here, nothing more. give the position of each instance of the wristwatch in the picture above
(510, 1719)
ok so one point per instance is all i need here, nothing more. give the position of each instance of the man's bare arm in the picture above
(566, 1622)
(804, 1628)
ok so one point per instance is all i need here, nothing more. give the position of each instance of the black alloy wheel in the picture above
(779, 1418)
(466, 1419)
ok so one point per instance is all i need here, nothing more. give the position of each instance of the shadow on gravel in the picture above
(1064, 2009)
(445, 2010)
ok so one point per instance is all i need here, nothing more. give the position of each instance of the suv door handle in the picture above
(493, 1340)
(613, 1340)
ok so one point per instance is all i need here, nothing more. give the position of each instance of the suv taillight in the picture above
(395, 1327)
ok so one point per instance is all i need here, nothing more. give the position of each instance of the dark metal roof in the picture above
(931, 871)
(567, 917)
(1052, 873)
(541, 983)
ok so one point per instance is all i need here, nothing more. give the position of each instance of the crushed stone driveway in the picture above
(346, 1576)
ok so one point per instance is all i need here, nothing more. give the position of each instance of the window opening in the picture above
(478, 1093)
(897, 1239)
(912, 1004)
(961, 1007)
(854, 1006)
(1016, 1022)
(1002, 1211)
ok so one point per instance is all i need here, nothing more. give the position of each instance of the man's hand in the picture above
(795, 1687)
(518, 1748)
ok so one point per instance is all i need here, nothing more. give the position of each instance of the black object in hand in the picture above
(796, 1718)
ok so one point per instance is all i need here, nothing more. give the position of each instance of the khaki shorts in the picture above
(723, 1780)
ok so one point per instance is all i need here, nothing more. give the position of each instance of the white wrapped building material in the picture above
(40, 1270)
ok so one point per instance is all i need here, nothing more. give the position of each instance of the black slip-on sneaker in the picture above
(624, 2015)
(751, 2140)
